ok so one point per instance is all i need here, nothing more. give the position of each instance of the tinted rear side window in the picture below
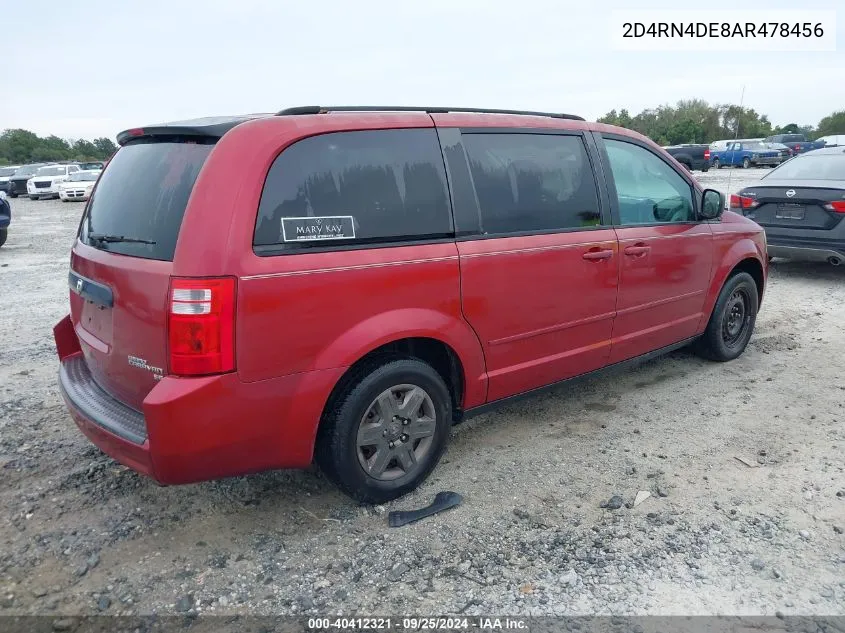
(347, 188)
(142, 195)
(532, 182)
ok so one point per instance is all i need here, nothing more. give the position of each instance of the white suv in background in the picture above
(45, 182)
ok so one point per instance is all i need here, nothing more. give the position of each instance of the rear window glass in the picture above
(532, 182)
(27, 170)
(346, 188)
(142, 196)
(809, 167)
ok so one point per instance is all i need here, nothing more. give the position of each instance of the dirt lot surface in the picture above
(81, 534)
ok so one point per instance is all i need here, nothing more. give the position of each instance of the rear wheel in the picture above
(717, 163)
(33, 197)
(732, 322)
(386, 430)
(4, 233)
(12, 194)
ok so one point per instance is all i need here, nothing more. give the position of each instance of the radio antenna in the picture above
(736, 136)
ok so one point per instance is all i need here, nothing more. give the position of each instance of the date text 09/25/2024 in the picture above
(483, 623)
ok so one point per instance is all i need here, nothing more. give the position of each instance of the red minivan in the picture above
(344, 284)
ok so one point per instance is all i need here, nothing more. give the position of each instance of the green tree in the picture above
(105, 148)
(84, 150)
(833, 123)
(22, 146)
(18, 146)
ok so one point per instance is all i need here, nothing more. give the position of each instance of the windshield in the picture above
(27, 170)
(142, 196)
(809, 167)
(81, 176)
(7, 171)
(90, 166)
(51, 171)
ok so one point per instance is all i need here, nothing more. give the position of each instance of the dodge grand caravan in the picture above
(340, 285)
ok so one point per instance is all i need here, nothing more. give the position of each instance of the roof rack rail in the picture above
(429, 109)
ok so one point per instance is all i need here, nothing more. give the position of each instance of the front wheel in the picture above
(746, 163)
(386, 430)
(12, 194)
(4, 233)
(33, 197)
(732, 321)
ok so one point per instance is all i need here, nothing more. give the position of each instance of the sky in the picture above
(93, 68)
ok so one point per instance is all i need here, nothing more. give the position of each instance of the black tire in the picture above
(337, 451)
(33, 197)
(12, 194)
(705, 169)
(746, 163)
(4, 233)
(737, 303)
(717, 163)
(688, 166)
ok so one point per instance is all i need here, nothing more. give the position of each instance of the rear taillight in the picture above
(201, 326)
(836, 205)
(742, 202)
(707, 154)
(797, 148)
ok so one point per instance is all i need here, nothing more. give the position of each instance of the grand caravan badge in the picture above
(337, 227)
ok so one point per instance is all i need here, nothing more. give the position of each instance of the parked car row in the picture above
(47, 180)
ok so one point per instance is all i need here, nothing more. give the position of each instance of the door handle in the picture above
(598, 255)
(637, 251)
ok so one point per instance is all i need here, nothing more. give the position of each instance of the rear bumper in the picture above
(113, 427)
(805, 246)
(807, 253)
(196, 429)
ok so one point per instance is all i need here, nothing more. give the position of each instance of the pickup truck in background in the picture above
(747, 155)
(693, 157)
(796, 142)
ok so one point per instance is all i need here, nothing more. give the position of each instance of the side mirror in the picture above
(712, 204)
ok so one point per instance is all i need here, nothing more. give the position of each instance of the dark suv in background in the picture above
(17, 183)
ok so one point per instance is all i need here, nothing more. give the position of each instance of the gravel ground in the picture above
(81, 534)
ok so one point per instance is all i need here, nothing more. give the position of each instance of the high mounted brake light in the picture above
(201, 326)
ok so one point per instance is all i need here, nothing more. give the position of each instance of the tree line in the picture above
(696, 121)
(18, 147)
(689, 121)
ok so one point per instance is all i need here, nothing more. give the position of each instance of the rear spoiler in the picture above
(209, 127)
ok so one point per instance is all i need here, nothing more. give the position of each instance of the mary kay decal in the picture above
(341, 227)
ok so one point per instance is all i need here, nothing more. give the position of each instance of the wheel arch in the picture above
(741, 257)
